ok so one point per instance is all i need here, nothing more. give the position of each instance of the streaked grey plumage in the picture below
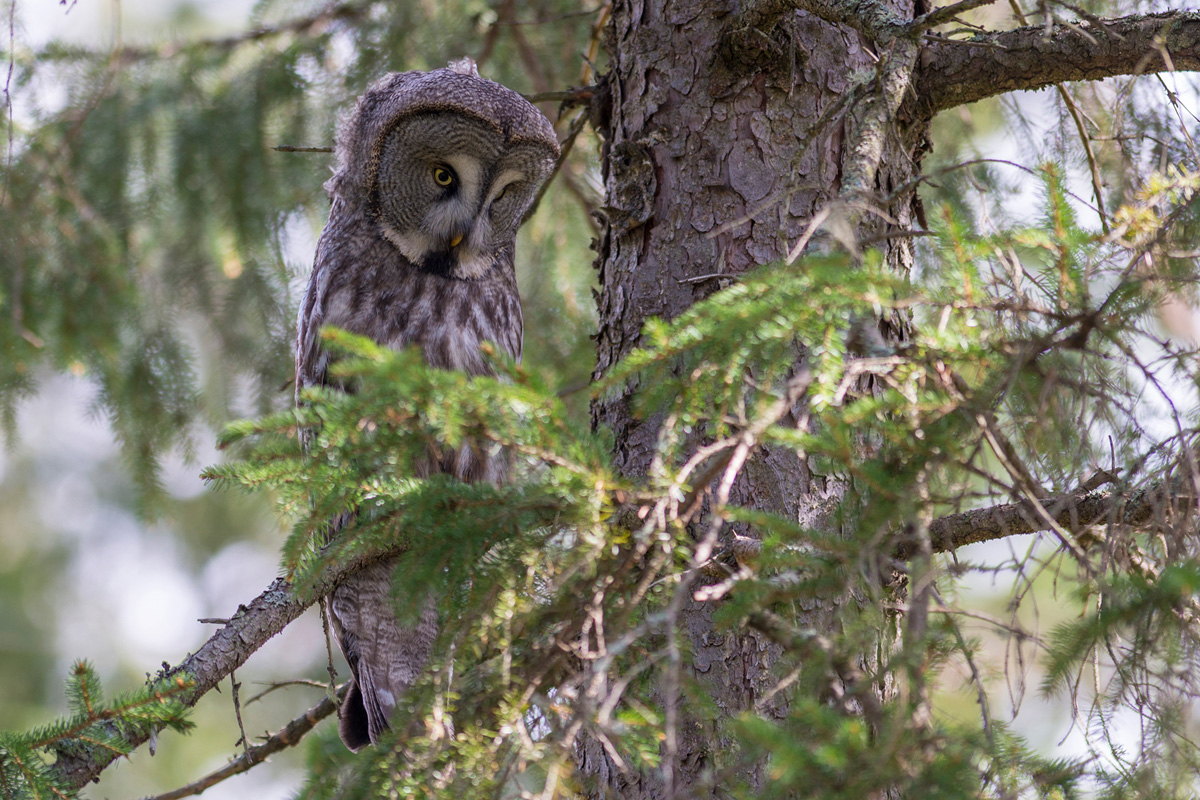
(435, 172)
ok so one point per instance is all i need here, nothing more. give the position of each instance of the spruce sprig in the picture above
(95, 723)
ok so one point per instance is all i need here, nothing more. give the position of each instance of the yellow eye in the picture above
(442, 176)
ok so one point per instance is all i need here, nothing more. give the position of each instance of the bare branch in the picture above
(564, 151)
(291, 148)
(1074, 512)
(244, 741)
(945, 14)
(287, 736)
(567, 97)
(873, 119)
(275, 686)
(953, 73)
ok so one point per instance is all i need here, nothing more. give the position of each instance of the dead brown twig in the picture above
(287, 736)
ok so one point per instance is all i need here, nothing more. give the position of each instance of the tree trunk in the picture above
(707, 128)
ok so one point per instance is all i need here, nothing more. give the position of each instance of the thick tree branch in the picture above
(1074, 512)
(227, 649)
(873, 120)
(954, 72)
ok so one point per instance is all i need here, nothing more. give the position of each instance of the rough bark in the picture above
(700, 136)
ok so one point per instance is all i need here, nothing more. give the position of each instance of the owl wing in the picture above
(311, 359)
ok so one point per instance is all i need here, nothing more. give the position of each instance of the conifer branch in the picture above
(1073, 511)
(226, 650)
(954, 73)
(287, 736)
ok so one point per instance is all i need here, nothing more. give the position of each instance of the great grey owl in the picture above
(435, 172)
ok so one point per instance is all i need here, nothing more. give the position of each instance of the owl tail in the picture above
(362, 718)
(385, 657)
(353, 723)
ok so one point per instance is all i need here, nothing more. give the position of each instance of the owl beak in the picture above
(458, 237)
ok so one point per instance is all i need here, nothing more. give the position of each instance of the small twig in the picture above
(565, 150)
(815, 223)
(573, 388)
(545, 20)
(796, 388)
(213, 621)
(1086, 141)
(237, 711)
(588, 72)
(489, 40)
(976, 678)
(530, 59)
(1094, 20)
(332, 687)
(933, 37)
(567, 97)
(945, 14)
(283, 685)
(712, 276)
(8, 105)
(288, 148)
(287, 736)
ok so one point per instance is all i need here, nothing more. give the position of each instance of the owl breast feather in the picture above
(367, 287)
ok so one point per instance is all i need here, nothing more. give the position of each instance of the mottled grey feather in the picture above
(407, 261)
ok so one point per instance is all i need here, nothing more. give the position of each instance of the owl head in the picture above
(446, 164)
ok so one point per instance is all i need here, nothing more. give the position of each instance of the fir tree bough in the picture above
(95, 724)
